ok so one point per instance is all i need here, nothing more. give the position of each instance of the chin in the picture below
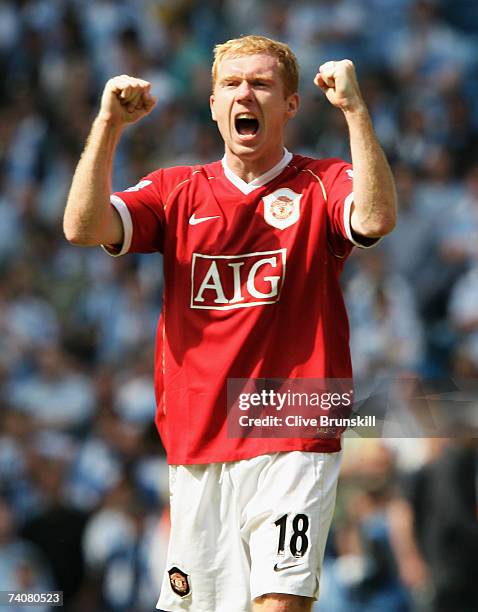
(245, 148)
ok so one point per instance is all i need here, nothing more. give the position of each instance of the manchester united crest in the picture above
(282, 208)
(179, 582)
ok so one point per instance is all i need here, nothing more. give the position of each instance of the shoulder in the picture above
(331, 173)
(168, 180)
(323, 168)
(175, 175)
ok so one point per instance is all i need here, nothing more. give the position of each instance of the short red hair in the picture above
(251, 45)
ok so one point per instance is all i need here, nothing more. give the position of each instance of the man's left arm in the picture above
(374, 208)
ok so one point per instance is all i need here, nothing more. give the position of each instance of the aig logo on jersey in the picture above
(282, 208)
(223, 282)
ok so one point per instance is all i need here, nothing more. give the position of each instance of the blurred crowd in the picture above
(83, 477)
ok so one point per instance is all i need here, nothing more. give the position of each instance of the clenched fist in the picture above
(339, 83)
(126, 99)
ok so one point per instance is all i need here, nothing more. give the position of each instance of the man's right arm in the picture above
(89, 218)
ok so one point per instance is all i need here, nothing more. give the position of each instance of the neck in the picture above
(250, 169)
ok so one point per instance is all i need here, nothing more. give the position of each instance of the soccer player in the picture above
(253, 247)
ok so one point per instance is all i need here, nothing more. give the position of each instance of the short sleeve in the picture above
(142, 214)
(338, 183)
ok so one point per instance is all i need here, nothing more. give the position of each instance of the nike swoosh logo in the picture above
(195, 220)
(279, 568)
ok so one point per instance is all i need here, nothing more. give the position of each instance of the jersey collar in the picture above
(260, 181)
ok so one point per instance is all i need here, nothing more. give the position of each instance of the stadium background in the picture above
(83, 480)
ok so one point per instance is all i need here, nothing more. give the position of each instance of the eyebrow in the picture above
(256, 77)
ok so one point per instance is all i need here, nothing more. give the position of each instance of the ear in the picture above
(211, 106)
(292, 105)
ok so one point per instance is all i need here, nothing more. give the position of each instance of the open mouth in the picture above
(246, 124)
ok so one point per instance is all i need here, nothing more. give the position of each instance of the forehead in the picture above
(249, 65)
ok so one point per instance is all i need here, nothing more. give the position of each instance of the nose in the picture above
(244, 91)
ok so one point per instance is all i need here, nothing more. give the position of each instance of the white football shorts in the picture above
(247, 528)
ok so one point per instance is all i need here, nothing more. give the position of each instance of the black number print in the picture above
(300, 526)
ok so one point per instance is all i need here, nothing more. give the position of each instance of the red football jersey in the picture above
(251, 290)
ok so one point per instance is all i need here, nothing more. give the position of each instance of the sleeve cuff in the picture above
(125, 215)
(369, 242)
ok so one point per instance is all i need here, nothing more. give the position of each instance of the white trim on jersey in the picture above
(260, 181)
(125, 215)
(348, 228)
